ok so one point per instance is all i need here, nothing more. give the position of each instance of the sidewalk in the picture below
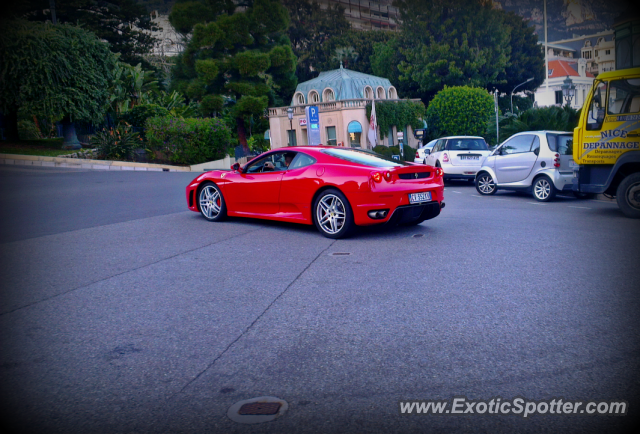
(78, 163)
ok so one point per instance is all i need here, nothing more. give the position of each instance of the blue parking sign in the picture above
(314, 115)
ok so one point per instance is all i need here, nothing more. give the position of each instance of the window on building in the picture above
(299, 99)
(292, 137)
(380, 93)
(392, 93)
(327, 95)
(368, 92)
(331, 136)
(559, 97)
(607, 52)
(314, 97)
(596, 53)
(355, 134)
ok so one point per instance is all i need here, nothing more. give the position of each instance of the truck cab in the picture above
(607, 140)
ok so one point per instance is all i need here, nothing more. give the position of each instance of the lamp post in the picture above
(528, 80)
(568, 90)
(290, 116)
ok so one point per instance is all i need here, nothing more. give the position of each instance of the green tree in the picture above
(124, 24)
(49, 71)
(354, 48)
(310, 29)
(459, 110)
(526, 58)
(451, 42)
(244, 58)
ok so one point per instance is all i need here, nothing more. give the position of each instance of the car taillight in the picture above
(439, 172)
(376, 176)
(417, 154)
(445, 158)
(387, 175)
(556, 161)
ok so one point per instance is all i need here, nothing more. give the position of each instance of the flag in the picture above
(373, 125)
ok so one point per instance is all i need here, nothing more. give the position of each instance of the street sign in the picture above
(314, 115)
(400, 135)
(313, 122)
(303, 122)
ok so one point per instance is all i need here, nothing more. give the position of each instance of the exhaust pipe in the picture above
(442, 205)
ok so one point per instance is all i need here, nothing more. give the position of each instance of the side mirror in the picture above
(235, 166)
(427, 151)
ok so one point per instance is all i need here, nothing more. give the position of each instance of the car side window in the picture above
(276, 159)
(536, 144)
(518, 145)
(301, 160)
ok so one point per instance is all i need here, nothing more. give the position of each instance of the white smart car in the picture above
(537, 161)
(458, 156)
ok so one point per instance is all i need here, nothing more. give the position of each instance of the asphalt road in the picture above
(123, 312)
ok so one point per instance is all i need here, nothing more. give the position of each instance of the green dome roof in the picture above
(346, 84)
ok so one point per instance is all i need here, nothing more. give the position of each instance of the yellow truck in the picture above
(606, 142)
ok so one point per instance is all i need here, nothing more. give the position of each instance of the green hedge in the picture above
(139, 114)
(460, 110)
(398, 114)
(187, 141)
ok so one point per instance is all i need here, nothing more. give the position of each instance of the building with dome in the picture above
(341, 96)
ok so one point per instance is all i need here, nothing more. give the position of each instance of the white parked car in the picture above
(537, 161)
(423, 151)
(459, 157)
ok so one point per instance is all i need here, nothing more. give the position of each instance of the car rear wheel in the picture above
(332, 214)
(543, 189)
(485, 184)
(628, 196)
(211, 202)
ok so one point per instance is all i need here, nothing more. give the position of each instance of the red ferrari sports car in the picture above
(333, 188)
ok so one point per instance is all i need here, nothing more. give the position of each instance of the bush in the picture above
(139, 114)
(116, 144)
(188, 141)
(544, 118)
(461, 110)
(28, 130)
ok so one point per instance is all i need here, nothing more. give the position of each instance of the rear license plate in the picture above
(469, 157)
(420, 197)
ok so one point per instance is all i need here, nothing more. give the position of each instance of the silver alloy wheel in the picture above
(210, 201)
(486, 184)
(542, 189)
(331, 214)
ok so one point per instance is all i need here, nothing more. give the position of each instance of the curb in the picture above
(74, 163)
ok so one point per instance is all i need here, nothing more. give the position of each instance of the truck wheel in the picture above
(628, 196)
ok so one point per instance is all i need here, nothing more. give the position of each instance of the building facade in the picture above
(368, 15)
(550, 92)
(341, 96)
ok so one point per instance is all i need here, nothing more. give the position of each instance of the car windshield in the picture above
(467, 145)
(366, 158)
(560, 143)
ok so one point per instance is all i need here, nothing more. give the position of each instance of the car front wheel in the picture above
(543, 189)
(211, 202)
(485, 184)
(332, 214)
(628, 196)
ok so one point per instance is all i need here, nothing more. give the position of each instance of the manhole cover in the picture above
(260, 408)
(418, 236)
(257, 410)
(340, 254)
